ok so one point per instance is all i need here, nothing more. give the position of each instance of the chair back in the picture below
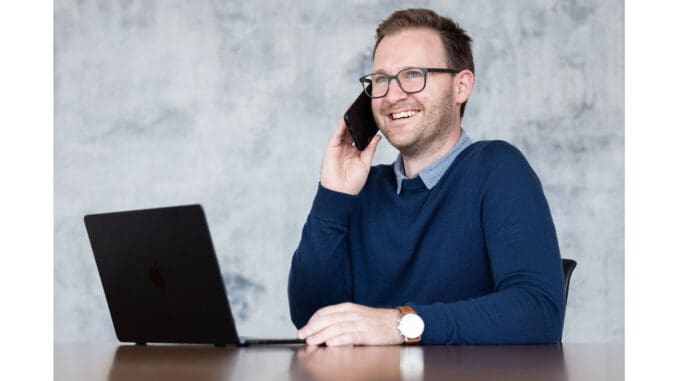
(568, 268)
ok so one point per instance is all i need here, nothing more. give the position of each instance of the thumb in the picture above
(367, 155)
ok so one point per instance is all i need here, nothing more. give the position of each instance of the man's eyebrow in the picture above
(378, 71)
(399, 69)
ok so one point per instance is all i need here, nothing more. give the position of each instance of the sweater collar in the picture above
(432, 174)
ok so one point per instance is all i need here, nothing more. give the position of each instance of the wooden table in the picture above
(98, 361)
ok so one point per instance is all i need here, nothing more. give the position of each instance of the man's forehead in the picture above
(410, 47)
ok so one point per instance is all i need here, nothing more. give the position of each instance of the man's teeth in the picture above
(404, 114)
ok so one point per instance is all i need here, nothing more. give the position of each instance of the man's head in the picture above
(418, 38)
(456, 42)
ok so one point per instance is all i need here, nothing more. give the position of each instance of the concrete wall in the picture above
(230, 104)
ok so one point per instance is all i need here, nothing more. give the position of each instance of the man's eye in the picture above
(380, 79)
(413, 74)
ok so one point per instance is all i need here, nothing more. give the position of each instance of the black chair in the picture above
(568, 268)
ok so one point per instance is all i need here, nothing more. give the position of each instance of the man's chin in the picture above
(401, 143)
(399, 136)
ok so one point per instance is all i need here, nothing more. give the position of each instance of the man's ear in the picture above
(463, 85)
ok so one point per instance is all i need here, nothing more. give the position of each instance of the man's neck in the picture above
(413, 165)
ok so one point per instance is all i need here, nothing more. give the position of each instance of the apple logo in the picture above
(156, 275)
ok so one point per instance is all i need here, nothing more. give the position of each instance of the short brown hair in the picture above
(457, 43)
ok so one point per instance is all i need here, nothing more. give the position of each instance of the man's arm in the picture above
(320, 273)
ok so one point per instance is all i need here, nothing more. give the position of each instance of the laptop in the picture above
(162, 279)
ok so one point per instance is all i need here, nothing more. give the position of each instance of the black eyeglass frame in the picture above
(366, 82)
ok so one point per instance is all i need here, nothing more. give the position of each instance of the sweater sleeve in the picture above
(520, 238)
(320, 272)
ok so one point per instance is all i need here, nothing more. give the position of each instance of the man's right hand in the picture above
(345, 168)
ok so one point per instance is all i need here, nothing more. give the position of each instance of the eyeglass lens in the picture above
(409, 80)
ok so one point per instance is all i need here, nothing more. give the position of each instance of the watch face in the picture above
(411, 326)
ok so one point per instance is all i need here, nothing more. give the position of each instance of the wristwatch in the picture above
(410, 325)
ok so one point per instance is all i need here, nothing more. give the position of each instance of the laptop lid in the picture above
(161, 276)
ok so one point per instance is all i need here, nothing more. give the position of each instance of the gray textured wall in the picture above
(230, 104)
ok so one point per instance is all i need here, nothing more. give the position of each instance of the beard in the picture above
(429, 133)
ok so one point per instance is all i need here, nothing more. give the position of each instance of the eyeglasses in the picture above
(410, 80)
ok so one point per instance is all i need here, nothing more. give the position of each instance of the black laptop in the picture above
(162, 279)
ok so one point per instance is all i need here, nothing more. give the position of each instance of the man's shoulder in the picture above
(497, 162)
(491, 152)
(493, 147)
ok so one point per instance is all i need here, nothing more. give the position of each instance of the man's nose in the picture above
(395, 93)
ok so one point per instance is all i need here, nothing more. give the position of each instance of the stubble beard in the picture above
(431, 133)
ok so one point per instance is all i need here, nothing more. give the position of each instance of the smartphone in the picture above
(360, 122)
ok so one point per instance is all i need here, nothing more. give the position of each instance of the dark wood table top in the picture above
(575, 361)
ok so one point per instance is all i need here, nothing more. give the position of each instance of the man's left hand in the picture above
(349, 323)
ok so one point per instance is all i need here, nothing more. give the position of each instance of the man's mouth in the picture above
(404, 114)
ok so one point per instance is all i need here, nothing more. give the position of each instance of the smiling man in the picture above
(453, 243)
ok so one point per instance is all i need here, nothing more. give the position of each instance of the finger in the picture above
(331, 332)
(350, 338)
(319, 323)
(310, 350)
(347, 139)
(338, 136)
(368, 153)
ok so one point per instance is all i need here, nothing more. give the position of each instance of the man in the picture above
(451, 244)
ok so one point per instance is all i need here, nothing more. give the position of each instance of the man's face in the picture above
(434, 110)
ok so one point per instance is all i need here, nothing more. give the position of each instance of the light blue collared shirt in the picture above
(432, 174)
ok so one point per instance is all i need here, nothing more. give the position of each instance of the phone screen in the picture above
(360, 121)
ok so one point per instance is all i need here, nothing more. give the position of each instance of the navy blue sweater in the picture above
(476, 256)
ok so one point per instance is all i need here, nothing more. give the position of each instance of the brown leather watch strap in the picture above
(406, 310)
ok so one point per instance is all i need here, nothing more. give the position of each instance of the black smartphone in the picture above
(360, 122)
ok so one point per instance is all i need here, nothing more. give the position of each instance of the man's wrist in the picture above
(339, 189)
(332, 205)
(400, 339)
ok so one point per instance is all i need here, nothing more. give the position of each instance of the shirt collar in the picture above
(432, 174)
